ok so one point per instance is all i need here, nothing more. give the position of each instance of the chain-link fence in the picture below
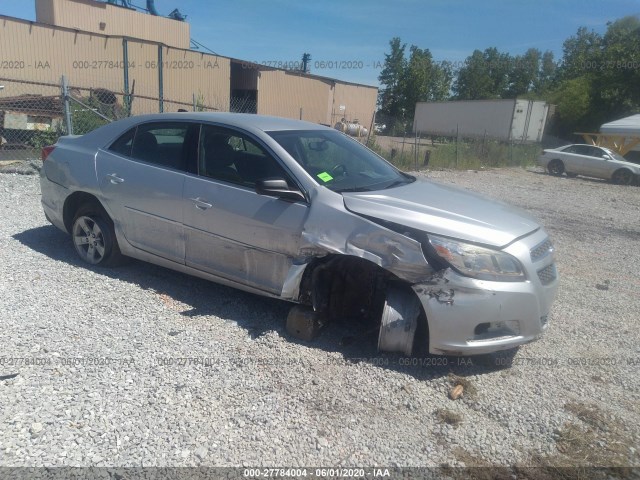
(35, 114)
(31, 116)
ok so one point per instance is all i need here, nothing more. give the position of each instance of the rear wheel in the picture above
(94, 237)
(556, 167)
(622, 177)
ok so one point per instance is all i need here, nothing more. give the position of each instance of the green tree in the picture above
(546, 74)
(407, 82)
(424, 79)
(573, 104)
(416, 84)
(485, 75)
(617, 84)
(391, 97)
(524, 73)
(441, 81)
(598, 79)
(581, 54)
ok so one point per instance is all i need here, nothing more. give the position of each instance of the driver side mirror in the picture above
(606, 157)
(278, 187)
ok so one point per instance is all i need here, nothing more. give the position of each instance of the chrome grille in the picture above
(541, 250)
(548, 274)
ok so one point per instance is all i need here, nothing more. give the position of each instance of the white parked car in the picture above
(590, 161)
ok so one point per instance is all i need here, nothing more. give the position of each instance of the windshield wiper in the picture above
(397, 183)
(354, 189)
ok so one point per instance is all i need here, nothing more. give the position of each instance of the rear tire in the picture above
(556, 167)
(94, 237)
(622, 177)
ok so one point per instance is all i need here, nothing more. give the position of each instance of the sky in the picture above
(348, 39)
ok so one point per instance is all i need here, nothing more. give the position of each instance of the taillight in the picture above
(46, 151)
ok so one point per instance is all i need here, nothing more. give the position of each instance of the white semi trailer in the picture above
(508, 120)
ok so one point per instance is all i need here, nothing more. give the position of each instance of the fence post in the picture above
(125, 57)
(67, 110)
(457, 133)
(373, 122)
(415, 151)
(160, 81)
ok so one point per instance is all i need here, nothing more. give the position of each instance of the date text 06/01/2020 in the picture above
(316, 472)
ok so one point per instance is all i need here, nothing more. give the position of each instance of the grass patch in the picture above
(591, 415)
(447, 416)
(468, 155)
(596, 446)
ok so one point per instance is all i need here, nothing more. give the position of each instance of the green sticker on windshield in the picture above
(324, 176)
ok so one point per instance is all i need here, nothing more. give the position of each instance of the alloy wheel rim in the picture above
(88, 240)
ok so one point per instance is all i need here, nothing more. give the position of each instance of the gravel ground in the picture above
(141, 366)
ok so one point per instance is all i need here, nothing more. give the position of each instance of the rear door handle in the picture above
(201, 203)
(115, 179)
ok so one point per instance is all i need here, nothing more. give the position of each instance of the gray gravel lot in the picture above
(141, 366)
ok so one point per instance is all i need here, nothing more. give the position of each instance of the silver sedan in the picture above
(590, 161)
(304, 213)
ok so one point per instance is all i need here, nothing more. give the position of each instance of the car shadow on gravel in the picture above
(195, 298)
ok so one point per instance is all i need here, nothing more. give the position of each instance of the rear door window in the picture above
(582, 150)
(167, 144)
(164, 144)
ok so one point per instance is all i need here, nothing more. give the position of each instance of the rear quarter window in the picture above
(123, 144)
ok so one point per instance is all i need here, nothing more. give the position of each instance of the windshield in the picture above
(339, 162)
(615, 155)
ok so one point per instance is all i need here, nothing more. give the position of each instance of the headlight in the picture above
(477, 262)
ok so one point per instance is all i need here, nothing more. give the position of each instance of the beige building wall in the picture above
(38, 52)
(359, 103)
(187, 73)
(105, 19)
(284, 94)
(43, 53)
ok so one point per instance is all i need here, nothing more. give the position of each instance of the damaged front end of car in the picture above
(464, 297)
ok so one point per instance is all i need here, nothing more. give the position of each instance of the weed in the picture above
(466, 155)
(447, 416)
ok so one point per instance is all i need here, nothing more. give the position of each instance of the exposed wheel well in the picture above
(349, 288)
(74, 202)
(344, 286)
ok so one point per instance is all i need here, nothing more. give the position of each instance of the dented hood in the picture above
(443, 210)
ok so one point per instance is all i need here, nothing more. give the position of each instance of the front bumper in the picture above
(468, 316)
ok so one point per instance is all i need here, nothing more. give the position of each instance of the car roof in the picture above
(580, 145)
(265, 123)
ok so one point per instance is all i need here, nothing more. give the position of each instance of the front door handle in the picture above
(115, 179)
(201, 203)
